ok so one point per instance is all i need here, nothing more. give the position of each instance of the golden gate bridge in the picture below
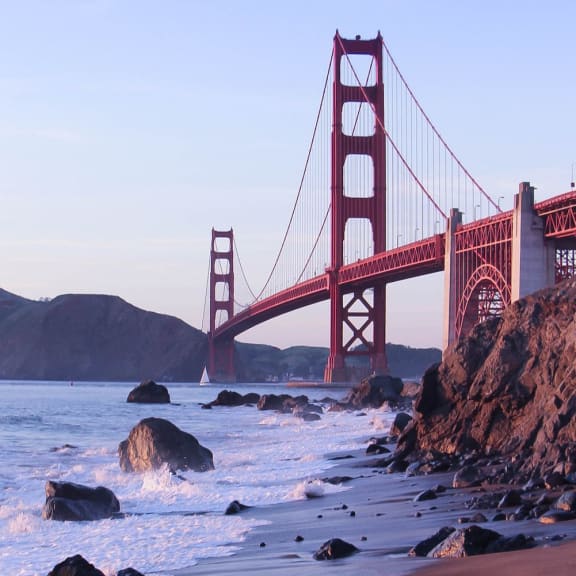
(383, 198)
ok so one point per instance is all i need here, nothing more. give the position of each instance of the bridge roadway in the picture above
(409, 261)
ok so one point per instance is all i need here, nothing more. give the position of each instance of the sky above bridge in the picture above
(130, 128)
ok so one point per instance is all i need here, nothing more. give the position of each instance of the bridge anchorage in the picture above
(399, 205)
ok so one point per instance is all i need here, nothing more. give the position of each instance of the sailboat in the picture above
(204, 379)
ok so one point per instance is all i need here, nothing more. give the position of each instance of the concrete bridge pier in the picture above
(533, 257)
(450, 296)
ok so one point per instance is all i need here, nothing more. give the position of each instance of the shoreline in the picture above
(378, 515)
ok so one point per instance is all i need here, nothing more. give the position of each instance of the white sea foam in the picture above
(171, 520)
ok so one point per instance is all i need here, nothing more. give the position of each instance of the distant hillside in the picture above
(258, 362)
(99, 337)
(95, 337)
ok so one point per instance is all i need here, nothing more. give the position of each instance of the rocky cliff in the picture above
(508, 389)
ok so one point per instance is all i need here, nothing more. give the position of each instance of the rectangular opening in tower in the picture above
(358, 176)
(358, 240)
(222, 244)
(358, 69)
(358, 119)
(222, 291)
(222, 266)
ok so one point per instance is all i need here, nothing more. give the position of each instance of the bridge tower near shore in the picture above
(357, 319)
(221, 351)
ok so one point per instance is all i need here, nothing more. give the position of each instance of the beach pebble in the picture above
(425, 495)
(335, 548)
(235, 507)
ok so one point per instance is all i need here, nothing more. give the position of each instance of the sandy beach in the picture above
(377, 514)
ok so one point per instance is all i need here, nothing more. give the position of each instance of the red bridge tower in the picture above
(221, 350)
(357, 318)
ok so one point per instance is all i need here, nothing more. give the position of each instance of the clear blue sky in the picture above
(129, 128)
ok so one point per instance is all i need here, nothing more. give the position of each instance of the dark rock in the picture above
(228, 398)
(377, 449)
(555, 516)
(75, 566)
(400, 422)
(554, 480)
(373, 391)
(337, 479)
(467, 477)
(413, 468)
(154, 442)
(290, 403)
(298, 538)
(305, 414)
(235, 507)
(335, 548)
(251, 398)
(148, 392)
(566, 502)
(521, 513)
(129, 572)
(232, 398)
(465, 542)
(425, 546)
(511, 498)
(272, 402)
(475, 540)
(425, 495)
(69, 501)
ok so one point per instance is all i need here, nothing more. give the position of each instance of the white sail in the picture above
(204, 379)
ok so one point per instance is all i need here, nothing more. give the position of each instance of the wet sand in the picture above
(378, 515)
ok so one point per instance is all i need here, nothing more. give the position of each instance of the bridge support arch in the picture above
(354, 312)
(221, 366)
(493, 263)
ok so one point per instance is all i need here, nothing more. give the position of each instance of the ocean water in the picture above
(54, 431)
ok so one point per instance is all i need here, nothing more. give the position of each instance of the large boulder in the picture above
(69, 501)
(155, 442)
(148, 392)
(373, 391)
(75, 566)
(506, 389)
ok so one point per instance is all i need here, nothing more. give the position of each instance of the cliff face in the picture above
(507, 389)
(95, 337)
